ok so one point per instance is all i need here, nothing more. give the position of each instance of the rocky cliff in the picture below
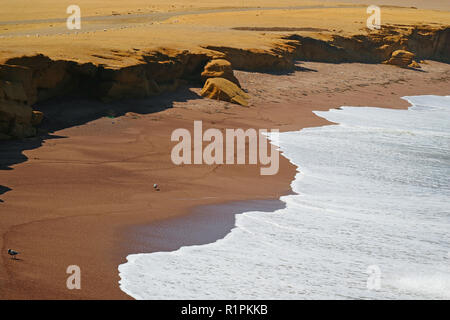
(25, 81)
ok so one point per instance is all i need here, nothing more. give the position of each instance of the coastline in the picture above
(327, 214)
(109, 165)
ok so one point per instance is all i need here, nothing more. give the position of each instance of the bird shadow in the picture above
(16, 259)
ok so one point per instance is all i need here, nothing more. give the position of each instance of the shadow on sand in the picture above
(3, 190)
(297, 68)
(62, 113)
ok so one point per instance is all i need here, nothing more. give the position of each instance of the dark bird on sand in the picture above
(13, 253)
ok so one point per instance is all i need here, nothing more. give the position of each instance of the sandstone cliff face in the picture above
(430, 44)
(159, 72)
(424, 42)
(25, 81)
(15, 112)
(256, 60)
(131, 82)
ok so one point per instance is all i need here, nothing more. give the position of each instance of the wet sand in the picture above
(204, 224)
(83, 195)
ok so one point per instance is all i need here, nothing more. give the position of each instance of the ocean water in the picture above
(370, 219)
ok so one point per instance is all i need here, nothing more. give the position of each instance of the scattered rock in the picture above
(225, 90)
(220, 68)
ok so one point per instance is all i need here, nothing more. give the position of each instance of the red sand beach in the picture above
(76, 196)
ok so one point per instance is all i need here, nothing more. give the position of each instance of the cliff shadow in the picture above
(297, 67)
(62, 113)
(300, 68)
(3, 190)
(65, 112)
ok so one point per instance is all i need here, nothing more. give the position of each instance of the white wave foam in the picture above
(372, 190)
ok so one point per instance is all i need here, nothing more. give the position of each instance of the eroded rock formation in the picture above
(224, 90)
(403, 58)
(220, 68)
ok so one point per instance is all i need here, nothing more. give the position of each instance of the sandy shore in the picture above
(82, 195)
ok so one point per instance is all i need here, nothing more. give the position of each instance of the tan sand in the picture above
(75, 199)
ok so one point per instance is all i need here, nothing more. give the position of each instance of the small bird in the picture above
(13, 253)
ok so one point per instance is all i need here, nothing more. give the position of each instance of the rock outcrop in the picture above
(15, 112)
(220, 68)
(224, 90)
(403, 58)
